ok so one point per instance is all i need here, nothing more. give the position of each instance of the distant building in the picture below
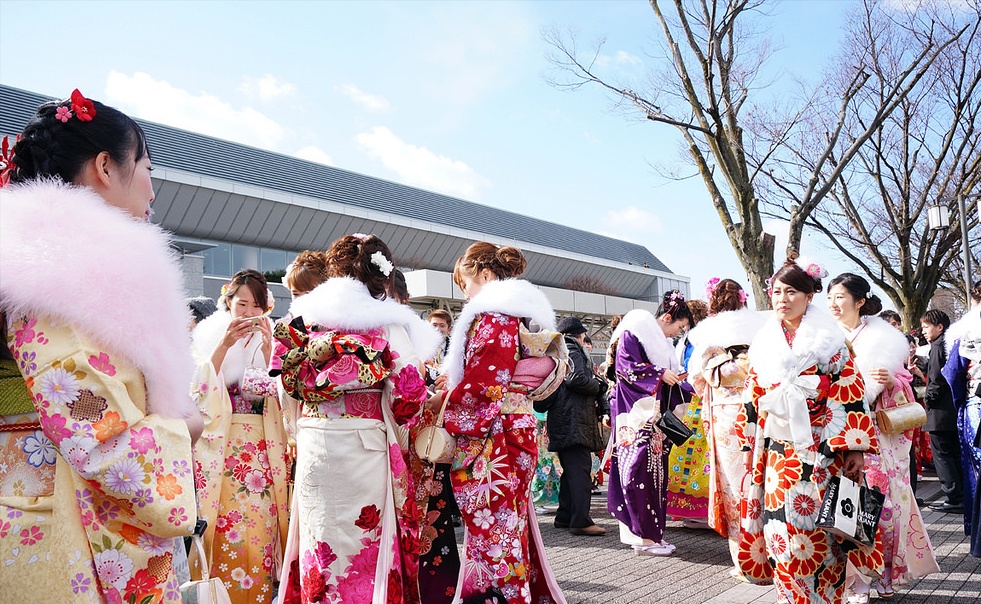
(231, 206)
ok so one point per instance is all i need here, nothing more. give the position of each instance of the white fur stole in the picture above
(643, 326)
(878, 345)
(67, 255)
(817, 335)
(512, 297)
(245, 352)
(970, 322)
(729, 328)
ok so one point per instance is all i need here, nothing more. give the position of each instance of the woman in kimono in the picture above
(902, 550)
(718, 368)
(95, 476)
(805, 421)
(494, 424)
(649, 383)
(241, 461)
(353, 359)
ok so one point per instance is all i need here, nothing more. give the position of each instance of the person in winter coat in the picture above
(573, 429)
(942, 416)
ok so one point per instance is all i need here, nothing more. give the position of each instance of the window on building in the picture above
(218, 260)
(273, 260)
(244, 256)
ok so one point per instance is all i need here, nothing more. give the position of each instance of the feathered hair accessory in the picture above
(812, 268)
(384, 265)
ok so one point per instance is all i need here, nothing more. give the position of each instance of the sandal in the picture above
(884, 592)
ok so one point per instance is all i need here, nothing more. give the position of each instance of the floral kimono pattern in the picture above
(780, 541)
(354, 544)
(497, 452)
(121, 488)
(548, 471)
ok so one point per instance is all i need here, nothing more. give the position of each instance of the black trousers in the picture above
(575, 487)
(947, 460)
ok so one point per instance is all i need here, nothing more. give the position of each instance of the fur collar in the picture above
(244, 353)
(729, 328)
(512, 297)
(818, 337)
(643, 326)
(971, 321)
(67, 255)
(344, 303)
(877, 345)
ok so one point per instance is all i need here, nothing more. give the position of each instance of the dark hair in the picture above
(400, 289)
(587, 340)
(935, 316)
(673, 304)
(50, 147)
(252, 279)
(726, 297)
(307, 271)
(201, 307)
(891, 315)
(976, 292)
(439, 313)
(796, 277)
(860, 290)
(505, 262)
(350, 256)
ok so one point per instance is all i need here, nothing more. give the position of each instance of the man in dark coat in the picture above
(573, 432)
(942, 416)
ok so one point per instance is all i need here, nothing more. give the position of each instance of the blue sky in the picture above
(449, 96)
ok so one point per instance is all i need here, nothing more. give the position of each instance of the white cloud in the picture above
(633, 219)
(267, 87)
(315, 154)
(420, 167)
(159, 101)
(620, 58)
(366, 100)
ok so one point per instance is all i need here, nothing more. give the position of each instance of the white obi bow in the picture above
(788, 418)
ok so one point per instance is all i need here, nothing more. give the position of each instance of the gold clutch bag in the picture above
(433, 443)
(900, 419)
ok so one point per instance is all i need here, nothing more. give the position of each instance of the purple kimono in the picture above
(638, 490)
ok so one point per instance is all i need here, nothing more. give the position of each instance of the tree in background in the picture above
(735, 131)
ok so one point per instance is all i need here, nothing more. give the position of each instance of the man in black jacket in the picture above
(573, 432)
(942, 416)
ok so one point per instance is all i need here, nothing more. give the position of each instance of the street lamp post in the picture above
(938, 217)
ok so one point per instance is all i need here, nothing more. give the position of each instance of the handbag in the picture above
(433, 443)
(901, 418)
(209, 590)
(851, 511)
(671, 425)
(256, 383)
(544, 361)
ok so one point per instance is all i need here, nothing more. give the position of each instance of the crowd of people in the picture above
(131, 418)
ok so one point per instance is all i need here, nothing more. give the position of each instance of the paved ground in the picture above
(600, 570)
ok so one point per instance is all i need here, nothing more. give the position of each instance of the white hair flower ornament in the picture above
(384, 264)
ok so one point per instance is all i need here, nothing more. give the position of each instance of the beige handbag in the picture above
(209, 590)
(902, 418)
(433, 443)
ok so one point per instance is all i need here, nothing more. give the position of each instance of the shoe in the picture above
(919, 501)
(593, 530)
(883, 591)
(540, 511)
(560, 524)
(664, 543)
(695, 524)
(653, 550)
(949, 508)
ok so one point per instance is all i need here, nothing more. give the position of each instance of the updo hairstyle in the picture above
(726, 297)
(307, 271)
(400, 289)
(350, 256)
(860, 290)
(254, 281)
(699, 310)
(49, 147)
(796, 277)
(673, 304)
(505, 262)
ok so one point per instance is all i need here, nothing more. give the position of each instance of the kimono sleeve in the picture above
(491, 356)
(408, 384)
(955, 372)
(747, 417)
(848, 424)
(136, 467)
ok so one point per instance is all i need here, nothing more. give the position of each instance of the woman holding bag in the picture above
(805, 421)
(494, 424)
(903, 550)
(240, 464)
(647, 386)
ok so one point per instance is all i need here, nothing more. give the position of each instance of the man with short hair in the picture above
(573, 432)
(942, 416)
(442, 320)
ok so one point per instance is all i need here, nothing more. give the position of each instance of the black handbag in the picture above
(672, 427)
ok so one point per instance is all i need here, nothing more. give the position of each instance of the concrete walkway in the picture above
(600, 570)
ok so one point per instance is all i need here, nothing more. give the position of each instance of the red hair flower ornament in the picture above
(84, 109)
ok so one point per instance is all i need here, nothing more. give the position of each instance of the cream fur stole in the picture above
(730, 328)
(244, 353)
(643, 326)
(772, 359)
(344, 303)
(878, 345)
(67, 255)
(512, 297)
(970, 322)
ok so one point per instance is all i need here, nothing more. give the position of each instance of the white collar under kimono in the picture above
(778, 368)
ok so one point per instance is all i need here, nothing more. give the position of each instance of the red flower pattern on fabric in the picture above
(782, 473)
(369, 518)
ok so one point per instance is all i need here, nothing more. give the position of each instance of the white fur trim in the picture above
(729, 328)
(643, 326)
(344, 303)
(971, 321)
(207, 335)
(878, 345)
(818, 336)
(512, 297)
(67, 255)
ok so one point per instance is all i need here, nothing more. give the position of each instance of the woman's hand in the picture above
(748, 460)
(237, 329)
(670, 378)
(883, 376)
(854, 466)
(440, 382)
